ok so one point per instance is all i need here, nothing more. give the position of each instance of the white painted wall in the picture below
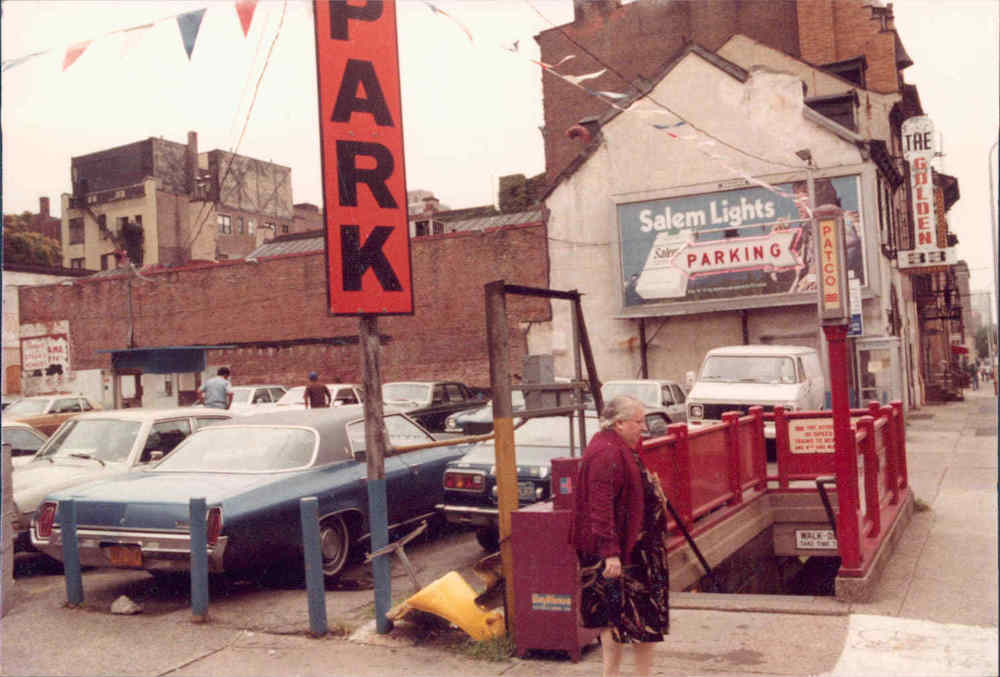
(636, 162)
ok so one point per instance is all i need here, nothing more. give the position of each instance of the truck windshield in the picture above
(749, 369)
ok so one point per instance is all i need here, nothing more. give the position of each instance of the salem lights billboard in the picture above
(732, 244)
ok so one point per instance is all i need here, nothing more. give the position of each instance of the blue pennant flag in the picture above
(189, 24)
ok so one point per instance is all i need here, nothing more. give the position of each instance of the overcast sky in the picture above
(471, 108)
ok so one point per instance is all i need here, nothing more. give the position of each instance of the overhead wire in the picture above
(649, 96)
(203, 213)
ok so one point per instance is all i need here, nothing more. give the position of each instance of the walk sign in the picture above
(361, 139)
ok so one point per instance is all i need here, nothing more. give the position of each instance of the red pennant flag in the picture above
(245, 8)
(73, 53)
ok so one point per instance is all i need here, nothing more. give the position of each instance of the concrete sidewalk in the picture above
(934, 612)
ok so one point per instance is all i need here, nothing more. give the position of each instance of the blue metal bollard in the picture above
(199, 560)
(71, 553)
(312, 548)
(381, 566)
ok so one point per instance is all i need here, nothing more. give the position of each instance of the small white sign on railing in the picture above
(815, 539)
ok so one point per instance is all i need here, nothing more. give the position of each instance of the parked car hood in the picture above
(484, 456)
(33, 481)
(730, 392)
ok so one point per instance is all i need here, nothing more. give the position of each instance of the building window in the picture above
(76, 264)
(251, 226)
(225, 224)
(271, 227)
(107, 261)
(438, 227)
(239, 225)
(76, 231)
(138, 219)
(284, 228)
(122, 220)
(421, 228)
(102, 226)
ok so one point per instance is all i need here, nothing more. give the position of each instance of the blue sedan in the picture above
(252, 471)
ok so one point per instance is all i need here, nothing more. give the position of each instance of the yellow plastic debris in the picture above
(453, 599)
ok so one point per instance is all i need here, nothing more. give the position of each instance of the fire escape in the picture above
(940, 313)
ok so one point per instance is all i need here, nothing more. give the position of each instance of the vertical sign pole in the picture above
(375, 446)
(833, 306)
(503, 426)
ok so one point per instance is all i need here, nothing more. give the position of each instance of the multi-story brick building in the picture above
(164, 203)
(765, 97)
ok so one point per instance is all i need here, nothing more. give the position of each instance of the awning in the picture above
(959, 350)
(161, 359)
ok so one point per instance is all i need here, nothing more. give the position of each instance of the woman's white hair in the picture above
(621, 408)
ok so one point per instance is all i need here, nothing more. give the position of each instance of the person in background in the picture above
(316, 394)
(217, 392)
(619, 531)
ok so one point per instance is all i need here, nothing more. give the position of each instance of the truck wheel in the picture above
(488, 538)
(335, 543)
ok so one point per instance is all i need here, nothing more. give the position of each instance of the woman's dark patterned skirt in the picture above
(636, 606)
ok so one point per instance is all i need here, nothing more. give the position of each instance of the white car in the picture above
(99, 445)
(342, 393)
(255, 399)
(656, 394)
(24, 441)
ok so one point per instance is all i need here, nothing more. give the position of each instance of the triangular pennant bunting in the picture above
(190, 23)
(131, 36)
(245, 8)
(11, 63)
(73, 53)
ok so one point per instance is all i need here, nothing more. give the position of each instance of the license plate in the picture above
(526, 491)
(125, 556)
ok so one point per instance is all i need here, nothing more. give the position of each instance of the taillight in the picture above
(213, 525)
(465, 481)
(46, 518)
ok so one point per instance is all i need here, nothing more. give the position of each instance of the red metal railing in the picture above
(711, 467)
(716, 466)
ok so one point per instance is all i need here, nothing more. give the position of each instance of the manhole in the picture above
(918, 417)
(990, 431)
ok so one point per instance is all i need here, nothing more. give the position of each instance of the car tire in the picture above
(488, 538)
(335, 544)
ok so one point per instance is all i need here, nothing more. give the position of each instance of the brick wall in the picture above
(276, 310)
(638, 40)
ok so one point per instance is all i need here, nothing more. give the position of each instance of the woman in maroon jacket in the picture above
(619, 528)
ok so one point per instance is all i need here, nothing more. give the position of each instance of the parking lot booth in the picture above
(547, 573)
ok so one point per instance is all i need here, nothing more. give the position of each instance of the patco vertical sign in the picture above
(361, 138)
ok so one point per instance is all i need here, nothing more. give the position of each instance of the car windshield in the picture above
(292, 396)
(749, 369)
(402, 432)
(409, 392)
(647, 393)
(241, 395)
(243, 449)
(552, 430)
(104, 439)
(26, 407)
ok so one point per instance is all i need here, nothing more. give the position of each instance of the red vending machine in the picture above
(546, 571)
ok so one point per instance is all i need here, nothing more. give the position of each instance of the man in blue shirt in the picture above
(217, 392)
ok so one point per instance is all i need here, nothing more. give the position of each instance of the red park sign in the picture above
(361, 139)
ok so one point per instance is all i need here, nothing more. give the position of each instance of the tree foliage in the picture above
(983, 341)
(21, 245)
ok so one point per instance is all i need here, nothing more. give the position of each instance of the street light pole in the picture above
(996, 276)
